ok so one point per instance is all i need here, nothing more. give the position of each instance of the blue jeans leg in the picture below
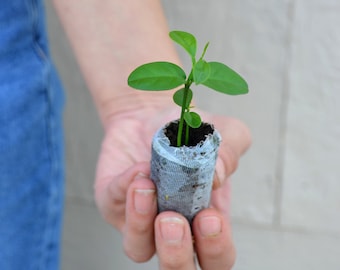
(31, 142)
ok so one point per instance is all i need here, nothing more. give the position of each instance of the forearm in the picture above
(110, 38)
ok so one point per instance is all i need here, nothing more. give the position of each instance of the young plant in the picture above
(159, 76)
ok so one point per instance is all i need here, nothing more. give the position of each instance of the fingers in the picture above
(141, 209)
(174, 242)
(213, 241)
(220, 199)
(128, 202)
(111, 193)
(237, 135)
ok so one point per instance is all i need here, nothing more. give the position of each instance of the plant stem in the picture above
(181, 120)
(184, 108)
(187, 128)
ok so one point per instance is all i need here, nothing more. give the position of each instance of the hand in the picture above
(212, 241)
(126, 196)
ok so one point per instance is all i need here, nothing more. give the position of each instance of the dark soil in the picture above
(196, 135)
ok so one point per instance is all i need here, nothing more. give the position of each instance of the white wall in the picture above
(286, 193)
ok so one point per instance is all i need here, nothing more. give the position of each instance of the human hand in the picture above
(126, 196)
(211, 234)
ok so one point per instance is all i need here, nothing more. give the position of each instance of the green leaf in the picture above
(157, 76)
(205, 50)
(201, 71)
(186, 40)
(224, 79)
(192, 119)
(178, 97)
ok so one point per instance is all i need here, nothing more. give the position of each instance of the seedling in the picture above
(159, 76)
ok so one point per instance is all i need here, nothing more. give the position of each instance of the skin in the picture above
(110, 38)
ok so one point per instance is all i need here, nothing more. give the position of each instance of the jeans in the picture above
(31, 141)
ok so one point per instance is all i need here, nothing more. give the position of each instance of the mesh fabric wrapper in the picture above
(183, 175)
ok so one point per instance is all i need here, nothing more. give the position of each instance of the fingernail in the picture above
(210, 226)
(172, 230)
(144, 200)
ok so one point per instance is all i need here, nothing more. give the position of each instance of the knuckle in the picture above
(172, 262)
(113, 217)
(138, 252)
(137, 255)
(139, 227)
(222, 253)
(216, 252)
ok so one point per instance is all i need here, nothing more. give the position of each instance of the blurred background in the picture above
(286, 193)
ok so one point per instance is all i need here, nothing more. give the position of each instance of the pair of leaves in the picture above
(183, 98)
(158, 76)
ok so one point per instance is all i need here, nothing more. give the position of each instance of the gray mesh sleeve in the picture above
(183, 175)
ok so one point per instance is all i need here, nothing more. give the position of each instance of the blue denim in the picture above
(31, 141)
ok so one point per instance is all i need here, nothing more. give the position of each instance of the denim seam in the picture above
(33, 10)
(50, 136)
